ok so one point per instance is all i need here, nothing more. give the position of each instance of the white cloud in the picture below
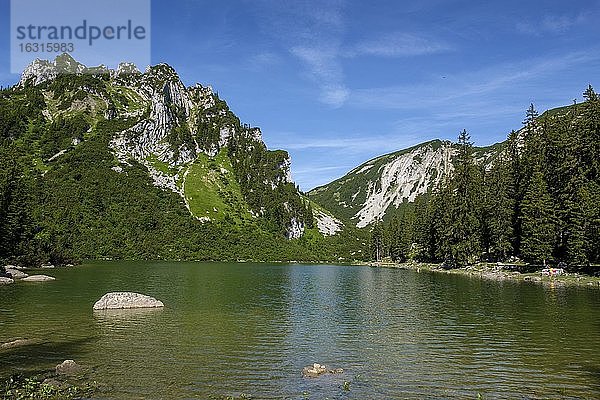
(398, 44)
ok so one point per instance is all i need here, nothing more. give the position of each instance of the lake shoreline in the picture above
(494, 272)
(487, 271)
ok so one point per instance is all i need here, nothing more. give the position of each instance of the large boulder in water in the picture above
(120, 300)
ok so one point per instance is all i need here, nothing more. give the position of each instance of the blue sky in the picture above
(339, 82)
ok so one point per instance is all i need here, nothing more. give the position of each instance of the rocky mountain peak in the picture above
(40, 71)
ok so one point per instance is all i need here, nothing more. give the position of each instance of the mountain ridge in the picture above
(172, 126)
(373, 189)
(98, 163)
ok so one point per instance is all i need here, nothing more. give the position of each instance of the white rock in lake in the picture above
(119, 300)
(38, 278)
(5, 281)
(16, 274)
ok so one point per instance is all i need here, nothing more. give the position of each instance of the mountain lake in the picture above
(247, 330)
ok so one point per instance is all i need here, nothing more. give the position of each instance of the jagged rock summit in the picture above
(40, 71)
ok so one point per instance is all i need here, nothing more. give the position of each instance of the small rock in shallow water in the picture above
(5, 281)
(38, 278)
(68, 367)
(118, 300)
(16, 274)
(314, 370)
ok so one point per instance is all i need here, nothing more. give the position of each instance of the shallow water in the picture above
(232, 329)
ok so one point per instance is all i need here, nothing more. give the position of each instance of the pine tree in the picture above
(405, 241)
(516, 186)
(394, 233)
(498, 211)
(462, 233)
(377, 241)
(538, 220)
(422, 228)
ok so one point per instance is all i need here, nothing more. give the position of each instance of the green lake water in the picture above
(232, 329)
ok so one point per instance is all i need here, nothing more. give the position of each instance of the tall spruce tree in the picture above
(377, 241)
(538, 220)
(497, 221)
(516, 185)
(394, 233)
(462, 231)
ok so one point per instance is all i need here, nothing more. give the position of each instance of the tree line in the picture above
(537, 202)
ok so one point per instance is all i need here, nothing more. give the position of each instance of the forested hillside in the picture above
(539, 201)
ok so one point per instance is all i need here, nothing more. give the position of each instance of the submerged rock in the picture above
(38, 278)
(68, 367)
(119, 300)
(5, 281)
(16, 343)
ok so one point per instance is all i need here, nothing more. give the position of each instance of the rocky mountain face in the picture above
(186, 137)
(379, 186)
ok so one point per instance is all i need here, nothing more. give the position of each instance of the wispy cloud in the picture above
(315, 36)
(551, 24)
(397, 138)
(312, 35)
(326, 71)
(398, 44)
(324, 61)
(470, 88)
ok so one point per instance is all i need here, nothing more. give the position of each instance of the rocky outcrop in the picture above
(327, 224)
(122, 300)
(38, 278)
(40, 71)
(295, 229)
